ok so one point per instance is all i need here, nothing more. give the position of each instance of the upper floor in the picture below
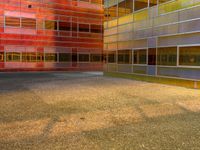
(119, 8)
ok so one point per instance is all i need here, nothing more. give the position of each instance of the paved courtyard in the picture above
(61, 110)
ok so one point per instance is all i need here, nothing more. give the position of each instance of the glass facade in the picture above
(155, 37)
(51, 35)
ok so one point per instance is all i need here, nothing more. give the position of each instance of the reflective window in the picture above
(140, 4)
(112, 57)
(152, 56)
(84, 57)
(163, 1)
(84, 28)
(64, 26)
(189, 56)
(12, 21)
(40, 57)
(13, 57)
(125, 7)
(51, 25)
(65, 57)
(74, 57)
(140, 56)
(152, 3)
(29, 57)
(28, 23)
(167, 56)
(112, 12)
(96, 28)
(124, 57)
(74, 27)
(95, 57)
(122, 9)
(50, 57)
(1, 56)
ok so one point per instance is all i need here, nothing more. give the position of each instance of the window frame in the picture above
(178, 56)
(5, 22)
(21, 23)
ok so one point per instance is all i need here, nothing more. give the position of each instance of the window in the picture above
(95, 57)
(125, 7)
(51, 57)
(1, 57)
(96, 28)
(124, 57)
(163, 1)
(84, 58)
(112, 57)
(84, 28)
(122, 9)
(140, 56)
(29, 57)
(40, 57)
(74, 27)
(152, 56)
(12, 21)
(152, 3)
(112, 12)
(28, 23)
(51, 25)
(13, 57)
(189, 56)
(74, 57)
(65, 57)
(64, 26)
(140, 4)
(167, 56)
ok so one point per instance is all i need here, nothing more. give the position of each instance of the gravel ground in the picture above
(89, 111)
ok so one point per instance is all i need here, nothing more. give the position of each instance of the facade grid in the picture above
(51, 35)
(153, 37)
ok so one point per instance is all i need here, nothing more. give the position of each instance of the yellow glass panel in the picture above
(105, 25)
(112, 46)
(112, 23)
(125, 44)
(176, 5)
(125, 19)
(112, 38)
(141, 15)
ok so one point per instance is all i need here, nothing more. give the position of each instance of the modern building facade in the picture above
(51, 35)
(153, 37)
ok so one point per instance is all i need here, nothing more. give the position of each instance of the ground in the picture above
(90, 111)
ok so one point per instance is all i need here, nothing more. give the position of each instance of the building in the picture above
(153, 37)
(51, 35)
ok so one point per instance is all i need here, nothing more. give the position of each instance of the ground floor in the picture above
(61, 110)
(182, 61)
(21, 58)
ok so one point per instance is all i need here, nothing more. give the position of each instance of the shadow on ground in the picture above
(74, 111)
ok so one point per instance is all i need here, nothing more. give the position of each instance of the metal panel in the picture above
(125, 36)
(179, 72)
(140, 69)
(110, 31)
(189, 26)
(184, 39)
(125, 68)
(112, 67)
